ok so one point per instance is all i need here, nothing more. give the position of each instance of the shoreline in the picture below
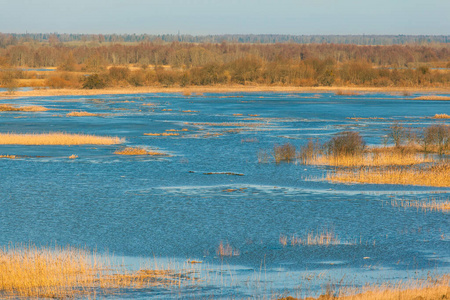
(220, 89)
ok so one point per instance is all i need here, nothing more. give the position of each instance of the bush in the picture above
(284, 152)
(119, 73)
(438, 136)
(346, 143)
(93, 82)
(63, 80)
(397, 134)
(310, 151)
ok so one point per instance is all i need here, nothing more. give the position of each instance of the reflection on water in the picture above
(168, 208)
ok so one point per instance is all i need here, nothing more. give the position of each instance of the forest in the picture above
(97, 62)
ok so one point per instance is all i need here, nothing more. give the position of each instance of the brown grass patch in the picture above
(8, 156)
(137, 151)
(441, 116)
(30, 108)
(432, 97)
(436, 175)
(56, 138)
(82, 114)
(189, 111)
(31, 272)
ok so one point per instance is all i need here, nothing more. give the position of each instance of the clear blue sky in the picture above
(227, 16)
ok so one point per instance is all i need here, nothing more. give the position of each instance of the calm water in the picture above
(168, 210)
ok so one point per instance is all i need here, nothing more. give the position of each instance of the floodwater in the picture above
(168, 210)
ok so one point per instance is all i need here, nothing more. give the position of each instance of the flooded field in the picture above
(199, 196)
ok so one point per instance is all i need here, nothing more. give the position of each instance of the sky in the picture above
(203, 17)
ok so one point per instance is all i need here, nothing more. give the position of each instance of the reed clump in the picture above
(32, 272)
(56, 138)
(137, 151)
(82, 114)
(227, 250)
(441, 116)
(30, 108)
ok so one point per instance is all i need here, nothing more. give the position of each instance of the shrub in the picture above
(63, 80)
(93, 82)
(310, 151)
(284, 152)
(397, 134)
(437, 135)
(346, 143)
(119, 73)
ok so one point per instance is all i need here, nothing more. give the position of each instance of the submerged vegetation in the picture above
(56, 138)
(424, 205)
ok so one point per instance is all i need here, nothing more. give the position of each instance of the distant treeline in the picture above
(184, 64)
(14, 39)
(187, 55)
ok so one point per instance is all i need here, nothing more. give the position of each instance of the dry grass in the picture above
(56, 138)
(369, 159)
(137, 151)
(73, 156)
(82, 114)
(28, 271)
(30, 108)
(424, 205)
(432, 98)
(436, 175)
(441, 116)
(8, 156)
(219, 89)
(430, 289)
